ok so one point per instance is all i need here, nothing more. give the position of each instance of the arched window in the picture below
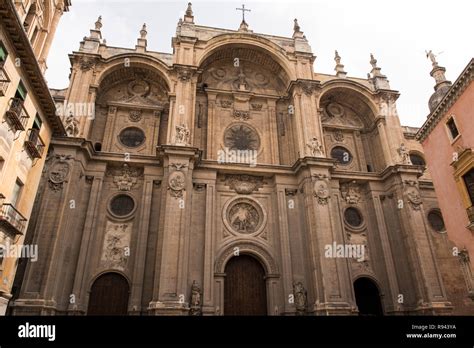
(417, 160)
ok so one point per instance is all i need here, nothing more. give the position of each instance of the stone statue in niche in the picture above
(300, 298)
(71, 126)
(195, 304)
(182, 135)
(244, 218)
(315, 147)
(404, 154)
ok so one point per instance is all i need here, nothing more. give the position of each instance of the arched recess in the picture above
(252, 41)
(244, 79)
(136, 95)
(368, 297)
(254, 249)
(349, 118)
(109, 295)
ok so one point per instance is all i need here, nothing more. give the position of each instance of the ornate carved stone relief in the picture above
(71, 124)
(244, 184)
(413, 194)
(351, 192)
(126, 177)
(335, 114)
(241, 115)
(116, 244)
(182, 135)
(195, 302)
(321, 189)
(300, 298)
(177, 184)
(244, 216)
(135, 115)
(256, 106)
(59, 172)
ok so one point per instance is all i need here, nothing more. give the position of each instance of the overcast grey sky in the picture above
(397, 32)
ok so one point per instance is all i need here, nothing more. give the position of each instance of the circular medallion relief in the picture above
(335, 110)
(244, 216)
(138, 87)
(241, 137)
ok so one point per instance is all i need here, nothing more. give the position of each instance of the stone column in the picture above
(171, 288)
(135, 302)
(208, 307)
(330, 274)
(81, 279)
(431, 295)
(272, 117)
(287, 271)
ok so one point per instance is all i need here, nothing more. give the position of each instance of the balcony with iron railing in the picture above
(470, 214)
(4, 81)
(16, 115)
(34, 145)
(11, 220)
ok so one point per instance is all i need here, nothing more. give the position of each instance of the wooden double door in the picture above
(245, 290)
(109, 295)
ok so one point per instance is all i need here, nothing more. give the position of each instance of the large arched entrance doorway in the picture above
(367, 297)
(109, 295)
(245, 291)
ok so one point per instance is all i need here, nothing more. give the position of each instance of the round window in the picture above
(342, 155)
(241, 137)
(417, 160)
(122, 205)
(436, 221)
(132, 137)
(353, 217)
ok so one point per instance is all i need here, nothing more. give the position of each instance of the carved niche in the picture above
(182, 135)
(300, 298)
(413, 194)
(321, 189)
(125, 178)
(59, 172)
(244, 184)
(195, 302)
(116, 244)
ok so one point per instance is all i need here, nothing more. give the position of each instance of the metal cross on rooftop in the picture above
(243, 9)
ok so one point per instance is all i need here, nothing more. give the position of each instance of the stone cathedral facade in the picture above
(230, 178)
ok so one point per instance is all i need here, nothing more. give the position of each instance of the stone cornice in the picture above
(29, 65)
(447, 102)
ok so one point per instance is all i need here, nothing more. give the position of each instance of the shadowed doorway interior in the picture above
(367, 297)
(244, 287)
(109, 295)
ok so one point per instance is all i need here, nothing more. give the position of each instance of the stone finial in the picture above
(188, 15)
(143, 32)
(379, 80)
(243, 26)
(189, 10)
(442, 85)
(339, 67)
(98, 23)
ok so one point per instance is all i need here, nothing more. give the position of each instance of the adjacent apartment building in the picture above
(28, 121)
(448, 140)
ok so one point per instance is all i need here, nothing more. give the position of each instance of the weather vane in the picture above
(243, 9)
